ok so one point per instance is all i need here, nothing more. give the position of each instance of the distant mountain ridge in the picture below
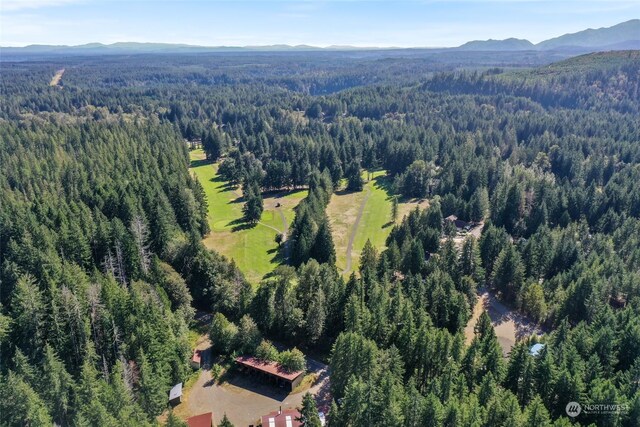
(621, 33)
(507, 44)
(623, 36)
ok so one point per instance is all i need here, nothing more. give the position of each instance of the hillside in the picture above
(623, 36)
(596, 38)
(591, 81)
(593, 61)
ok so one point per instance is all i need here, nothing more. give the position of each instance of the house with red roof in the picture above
(280, 418)
(202, 420)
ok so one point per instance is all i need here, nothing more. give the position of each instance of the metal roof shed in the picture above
(536, 349)
(175, 395)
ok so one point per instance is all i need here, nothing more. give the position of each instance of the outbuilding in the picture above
(196, 359)
(175, 395)
(270, 371)
(458, 223)
(202, 420)
(536, 349)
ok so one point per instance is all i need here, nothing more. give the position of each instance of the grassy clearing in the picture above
(307, 382)
(374, 223)
(253, 249)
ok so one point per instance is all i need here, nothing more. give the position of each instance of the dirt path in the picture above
(352, 237)
(285, 226)
(285, 236)
(510, 327)
(55, 81)
(269, 226)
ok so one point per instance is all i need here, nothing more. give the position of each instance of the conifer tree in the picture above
(354, 177)
(323, 250)
(309, 412)
(225, 422)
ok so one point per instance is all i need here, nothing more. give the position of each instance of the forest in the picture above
(102, 265)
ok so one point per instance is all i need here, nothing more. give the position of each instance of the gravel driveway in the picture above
(243, 398)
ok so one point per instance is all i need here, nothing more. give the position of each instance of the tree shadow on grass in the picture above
(280, 257)
(244, 226)
(199, 162)
(240, 224)
(345, 192)
(227, 188)
(384, 182)
(388, 224)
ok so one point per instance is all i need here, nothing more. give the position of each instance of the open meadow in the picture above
(253, 249)
(358, 216)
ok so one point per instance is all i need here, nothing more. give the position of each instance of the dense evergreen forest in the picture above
(102, 266)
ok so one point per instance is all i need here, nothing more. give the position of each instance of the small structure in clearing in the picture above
(280, 418)
(202, 420)
(536, 349)
(458, 223)
(175, 395)
(271, 371)
(196, 359)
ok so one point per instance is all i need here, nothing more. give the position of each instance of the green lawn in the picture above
(375, 223)
(253, 249)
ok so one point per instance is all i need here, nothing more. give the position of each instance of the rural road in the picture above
(352, 236)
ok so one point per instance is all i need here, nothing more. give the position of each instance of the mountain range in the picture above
(623, 36)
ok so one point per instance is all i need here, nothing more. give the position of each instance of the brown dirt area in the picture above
(55, 81)
(510, 326)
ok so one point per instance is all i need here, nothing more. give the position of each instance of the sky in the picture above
(364, 23)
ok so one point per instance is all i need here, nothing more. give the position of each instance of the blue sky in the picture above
(316, 22)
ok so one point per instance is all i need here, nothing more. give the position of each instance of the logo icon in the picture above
(573, 409)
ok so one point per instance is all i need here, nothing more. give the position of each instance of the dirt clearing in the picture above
(510, 326)
(55, 81)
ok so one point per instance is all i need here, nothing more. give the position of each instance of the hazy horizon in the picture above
(354, 23)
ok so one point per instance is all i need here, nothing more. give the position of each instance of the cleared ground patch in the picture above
(55, 81)
(510, 327)
(358, 216)
(253, 248)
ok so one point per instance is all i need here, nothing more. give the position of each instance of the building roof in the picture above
(461, 224)
(269, 367)
(451, 218)
(286, 418)
(176, 391)
(197, 356)
(202, 420)
(536, 349)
